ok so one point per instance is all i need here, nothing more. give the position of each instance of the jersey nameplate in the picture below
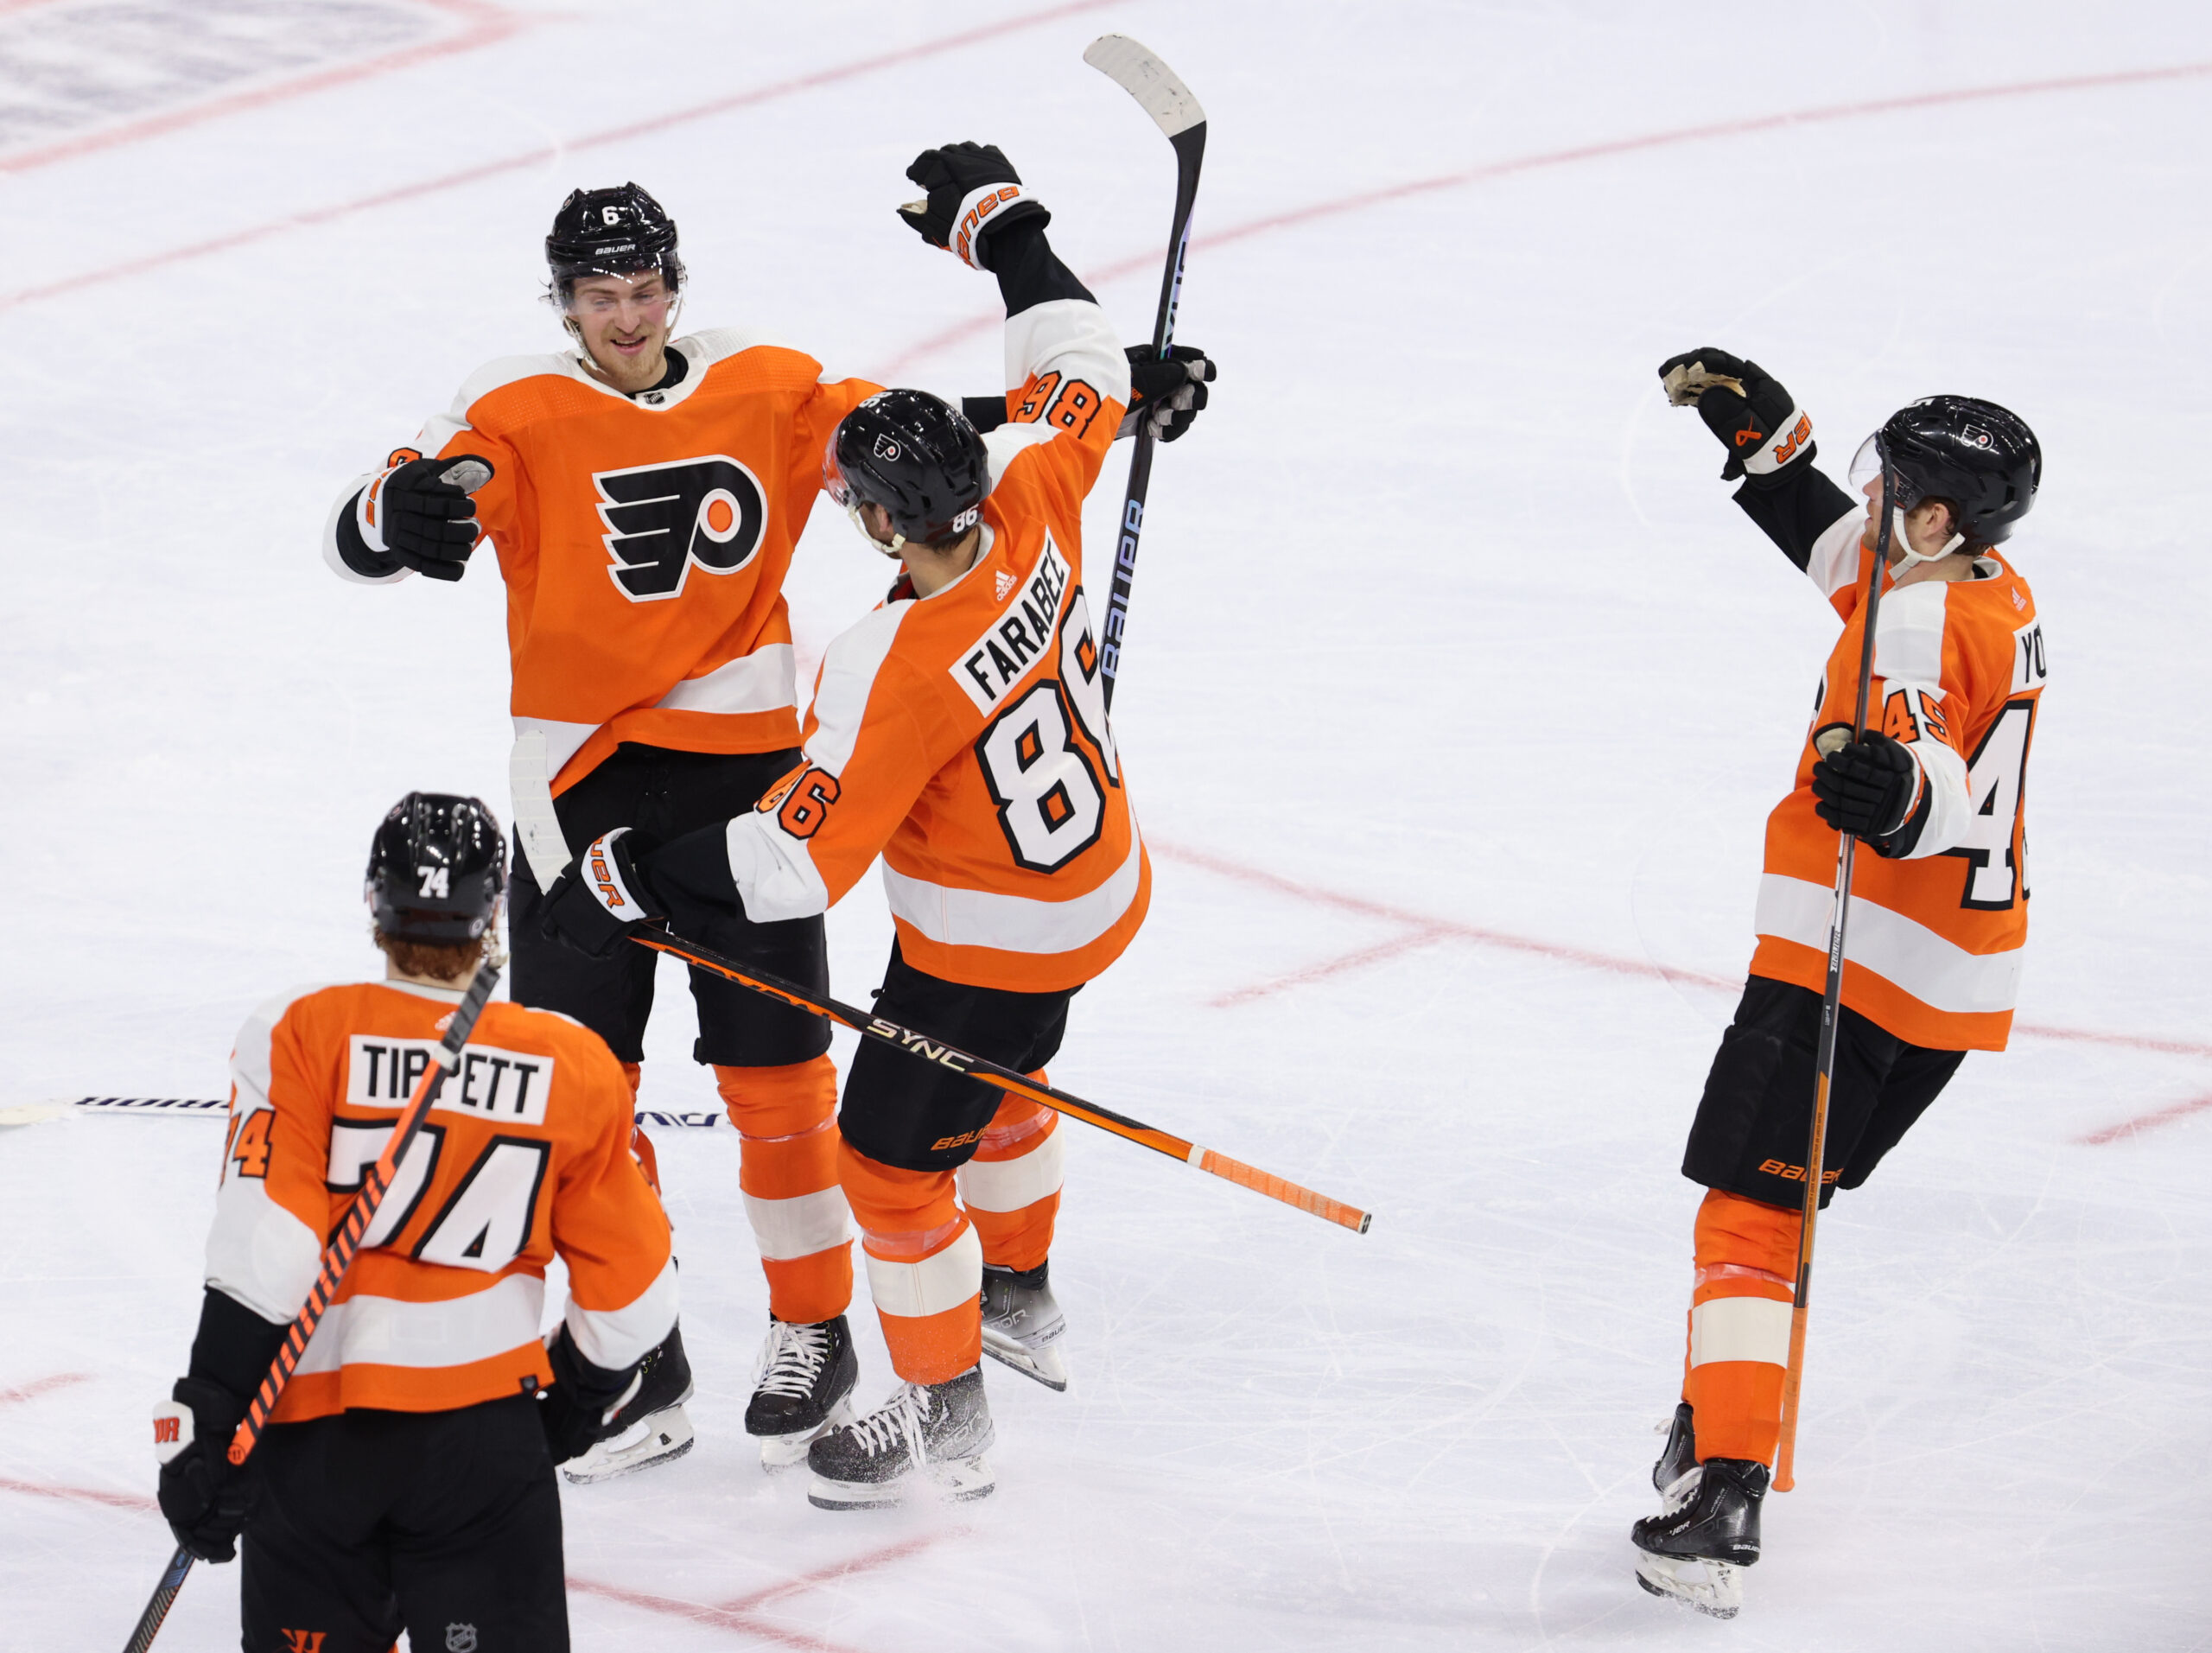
(504, 1086)
(2028, 669)
(1019, 638)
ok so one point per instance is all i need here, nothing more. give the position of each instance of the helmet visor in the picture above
(1867, 466)
(834, 482)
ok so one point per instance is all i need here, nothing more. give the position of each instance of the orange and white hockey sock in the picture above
(787, 1169)
(1012, 1187)
(925, 1266)
(1739, 1326)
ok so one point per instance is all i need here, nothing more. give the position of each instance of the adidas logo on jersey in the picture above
(1003, 583)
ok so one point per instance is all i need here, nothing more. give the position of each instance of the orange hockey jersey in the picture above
(525, 1154)
(1933, 948)
(964, 735)
(644, 541)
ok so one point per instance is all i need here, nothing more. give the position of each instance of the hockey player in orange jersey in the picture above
(960, 732)
(406, 1479)
(643, 493)
(1935, 789)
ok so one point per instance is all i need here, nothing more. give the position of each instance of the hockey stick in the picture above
(1171, 106)
(337, 1257)
(540, 831)
(1792, 1381)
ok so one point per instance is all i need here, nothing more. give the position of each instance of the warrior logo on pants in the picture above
(663, 518)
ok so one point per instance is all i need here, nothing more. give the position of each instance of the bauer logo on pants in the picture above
(493, 1084)
(661, 519)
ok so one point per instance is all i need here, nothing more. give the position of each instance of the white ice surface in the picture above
(1441, 610)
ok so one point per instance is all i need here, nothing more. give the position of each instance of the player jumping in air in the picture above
(1939, 913)
(959, 731)
(405, 1479)
(643, 495)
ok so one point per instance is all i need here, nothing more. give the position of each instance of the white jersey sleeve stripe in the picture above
(1834, 561)
(258, 1253)
(613, 1337)
(1070, 337)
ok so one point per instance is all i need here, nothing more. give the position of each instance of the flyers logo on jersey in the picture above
(661, 519)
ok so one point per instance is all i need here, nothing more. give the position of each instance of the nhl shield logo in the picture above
(460, 1638)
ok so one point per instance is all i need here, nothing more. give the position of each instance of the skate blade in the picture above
(1713, 1588)
(955, 1481)
(781, 1452)
(656, 1440)
(1044, 1363)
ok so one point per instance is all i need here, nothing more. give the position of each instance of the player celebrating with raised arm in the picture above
(1939, 915)
(405, 1479)
(960, 731)
(643, 495)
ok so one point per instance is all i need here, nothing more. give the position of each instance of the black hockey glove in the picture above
(419, 512)
(1166, 395)
(603, 896)
(578, 1410)
(1758, 421)
(974, 193)
(204, 1496)
(1866, 789)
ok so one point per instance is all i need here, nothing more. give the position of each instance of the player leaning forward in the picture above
(405, 1479)
(1938, 916)
(643, 497)
(960, 731)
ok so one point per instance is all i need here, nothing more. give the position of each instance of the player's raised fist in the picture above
(1867, 788)
(419, 511)
(1758, 421)
(973, 194)
(1166, 395)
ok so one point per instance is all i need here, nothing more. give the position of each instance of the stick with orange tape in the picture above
(923, 1048)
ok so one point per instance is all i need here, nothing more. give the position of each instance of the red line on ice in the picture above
(1365, 199)
(1422, 929)
(321, 215)
(489, 25)
(39, 1386)
(79, 1494)
(739, 1613)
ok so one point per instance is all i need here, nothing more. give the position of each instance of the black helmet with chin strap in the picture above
(916, 457)
(1980, 458)
(619, 232)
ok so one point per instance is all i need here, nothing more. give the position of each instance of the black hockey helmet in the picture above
(437, 869)
(611, 232)
(915, 456)
(1980, 458)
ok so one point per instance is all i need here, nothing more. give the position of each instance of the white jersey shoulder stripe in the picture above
(850, 668)
(1909, 636)
(507, 369)
(1834, 561)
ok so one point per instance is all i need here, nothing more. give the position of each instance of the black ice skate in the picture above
(1023, 1325)
(800, 1388)
(928, 1439)
(651, 1427)
(1675, 1475)
(1695, 1552)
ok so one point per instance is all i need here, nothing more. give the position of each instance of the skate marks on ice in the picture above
(80, 75)
(1419, 930)
(1296, 217)
(135, 1502)
(528, 159)
(744, 1613)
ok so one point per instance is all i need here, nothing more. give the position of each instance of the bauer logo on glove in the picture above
(603, 897)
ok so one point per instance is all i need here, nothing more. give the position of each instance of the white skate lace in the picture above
(791, 1359)
(899, 1418)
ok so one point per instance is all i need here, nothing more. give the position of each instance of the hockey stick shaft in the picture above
(1165, 98)
(923, 1047)
(337, 1257)
(1793, 1380)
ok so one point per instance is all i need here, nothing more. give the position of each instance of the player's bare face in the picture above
(1927, 526)
(622, 321)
